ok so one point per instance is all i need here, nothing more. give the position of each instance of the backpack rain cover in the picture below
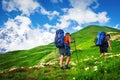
(59, 38)
(100, 38)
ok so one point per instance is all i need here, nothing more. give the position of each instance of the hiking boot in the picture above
(67, 67)
(62, 68)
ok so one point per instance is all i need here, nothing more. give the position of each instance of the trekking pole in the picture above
(78, 69)
(76, 53)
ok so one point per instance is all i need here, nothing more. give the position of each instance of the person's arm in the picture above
(109, 45)
(70, 40)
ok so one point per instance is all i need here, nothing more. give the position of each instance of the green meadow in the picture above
(42, 62)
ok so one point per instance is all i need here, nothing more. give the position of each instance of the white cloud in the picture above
(117, 26)
(102, 17)
(65, 10)
(20, 23)
(50, 28)
(53, 30)
(82, 4)
(82, 14)
(77, 28)
(47, 26)
(50, 14)
(20, 36)
(63, 23)
(25, 6)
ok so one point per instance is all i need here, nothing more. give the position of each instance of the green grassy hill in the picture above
(42, 63)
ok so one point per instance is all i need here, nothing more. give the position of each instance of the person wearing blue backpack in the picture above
(103, 41)
(63, 44)
(106, 44)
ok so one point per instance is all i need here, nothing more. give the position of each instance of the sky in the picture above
(39, 19)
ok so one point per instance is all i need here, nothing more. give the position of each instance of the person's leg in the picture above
(68, 60)
(61, 60)
(62, 51)
(106, 50)
(68, 57)
(102, 51)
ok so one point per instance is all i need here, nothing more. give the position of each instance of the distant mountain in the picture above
(9, 37)
(42, 62)
(17, 38)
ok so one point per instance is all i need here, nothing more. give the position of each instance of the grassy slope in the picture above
(26, 64)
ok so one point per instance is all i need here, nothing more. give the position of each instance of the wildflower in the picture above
(30, 67)
(101, 62)
(95, 68)
(96, 62)
(22, 67)
(73, 78)
(87, 68)
(72, 63)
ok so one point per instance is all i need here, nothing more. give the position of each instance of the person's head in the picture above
(67, 34)
(108, 35)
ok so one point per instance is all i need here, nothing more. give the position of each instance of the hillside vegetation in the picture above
(42, 63)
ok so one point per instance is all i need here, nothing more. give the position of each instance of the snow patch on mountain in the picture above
(17, 35)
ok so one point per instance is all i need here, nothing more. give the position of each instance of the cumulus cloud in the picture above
(102, 17)
(63, 23)
(117, 26)
(77, 28)
(50, 28)
(20, 23)
(18, 35)
(50, 14)
(47, 26)
(82, 14)
(82, 4)
(25, 6)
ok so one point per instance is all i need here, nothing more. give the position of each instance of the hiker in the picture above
(63, 44)
(67, 41)
(103, 41)
(106, 44)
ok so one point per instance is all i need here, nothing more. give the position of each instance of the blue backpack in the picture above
(59, 38)
(100, 38)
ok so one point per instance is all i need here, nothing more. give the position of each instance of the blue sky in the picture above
(44, 17)
(52, 12)
(112, 9)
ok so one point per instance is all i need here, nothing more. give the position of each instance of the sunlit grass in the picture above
(42, 63)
